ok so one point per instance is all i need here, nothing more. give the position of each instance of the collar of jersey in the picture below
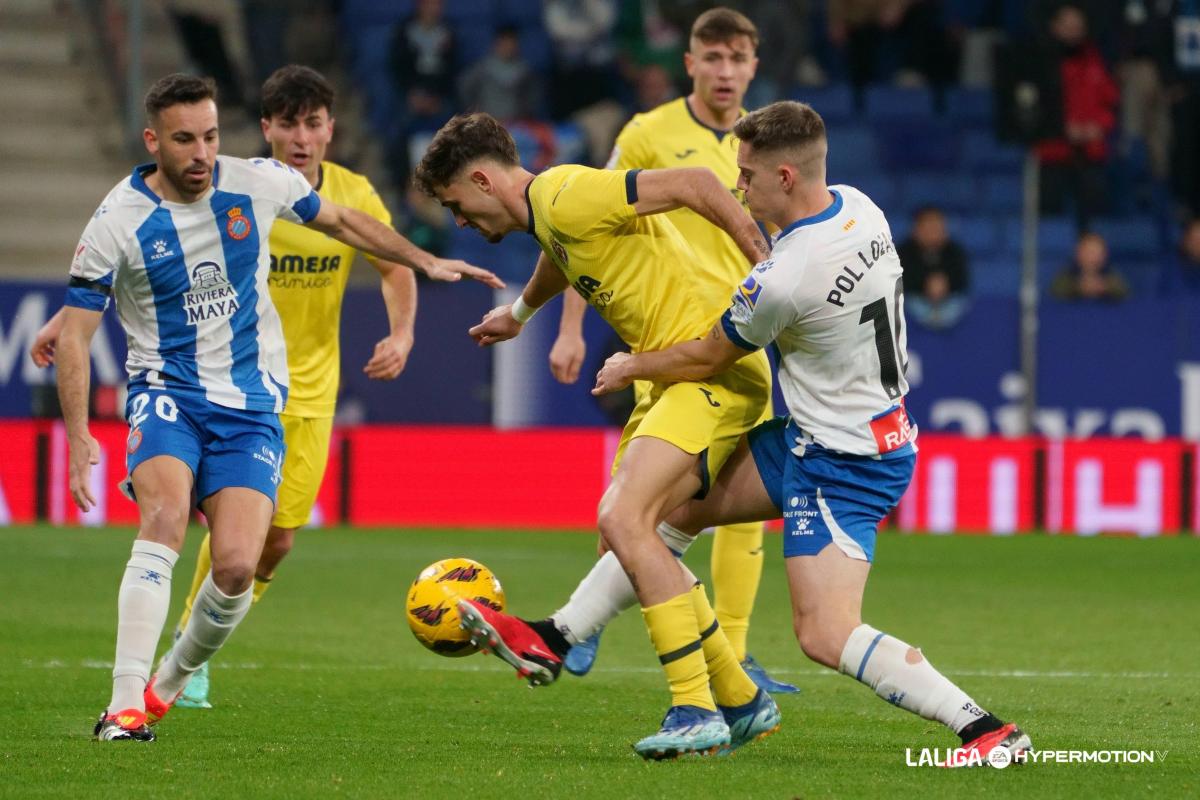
(829, 213)
(529, 204)
(138, 180)
(720, 134)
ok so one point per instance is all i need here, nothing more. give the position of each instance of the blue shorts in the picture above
(222, 446)
(826, 496)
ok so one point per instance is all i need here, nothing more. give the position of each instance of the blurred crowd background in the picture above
(907, 88)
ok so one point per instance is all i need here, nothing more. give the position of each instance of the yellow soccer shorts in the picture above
(702, 416)
(307, 442)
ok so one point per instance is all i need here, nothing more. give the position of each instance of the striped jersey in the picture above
(831, 297)
(190, 281)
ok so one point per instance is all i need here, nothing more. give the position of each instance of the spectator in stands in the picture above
(1182, 275)
(584, 53)
(502, 84)
(1074, 164)
(1185, 92)
(1089, 276)
(936, 279)
(1147, 33)
(654, 87)
(423, 66)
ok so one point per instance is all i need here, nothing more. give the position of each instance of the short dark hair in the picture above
(465, 138)
(722, 25)
(293, 90)
(178, 89)
(787, 126)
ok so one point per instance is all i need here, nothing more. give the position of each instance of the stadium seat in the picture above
(969, 105)
(982, 153)
(358, 13)
(949, 191)
(891, 102)
(1003, 193)
(1056, 238)
(852, 150)
(979, 235)
(835, 103)
(908, 144)
(995, 277)
(1135, 236)
(877, 186)
(1144, 277)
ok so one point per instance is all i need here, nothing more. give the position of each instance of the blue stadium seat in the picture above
(1144, 277)
(969, 105)
(891, 102)
(979, 235)
(908, 144)
(995, 277)
(982, 153)
(1056, 238)
(1136, 236)
(359, 13)
(520, 12)
(835, 103)
(1002, 193)
(949, 191)
(472, 40)
(877, 186)
(852, 150)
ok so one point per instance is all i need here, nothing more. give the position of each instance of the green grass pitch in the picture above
(1090, 644)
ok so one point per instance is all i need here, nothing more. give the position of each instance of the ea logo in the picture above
(999, 758)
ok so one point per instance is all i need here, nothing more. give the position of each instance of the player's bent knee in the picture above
(233, 579)
(165, 521)
(822, 640)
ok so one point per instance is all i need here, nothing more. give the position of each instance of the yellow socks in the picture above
(203, 567)
(730, 684)
(676, 637)
(260, 587)
(737, 560)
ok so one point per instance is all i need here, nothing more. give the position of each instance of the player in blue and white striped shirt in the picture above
(182, 246)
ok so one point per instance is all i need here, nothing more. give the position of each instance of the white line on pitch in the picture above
(448, 665)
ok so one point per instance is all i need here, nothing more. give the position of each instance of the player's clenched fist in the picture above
(498, 325)
(613, 376)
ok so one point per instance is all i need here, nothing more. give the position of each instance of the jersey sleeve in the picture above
(630, 150)
(298, 201)
(591, 203)
(762, 307)
(97, 257)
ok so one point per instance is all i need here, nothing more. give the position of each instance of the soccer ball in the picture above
(431, 612)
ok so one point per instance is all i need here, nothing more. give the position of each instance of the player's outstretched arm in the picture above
(74, 378)
(363, 232)
(686, 361)
(42, 349)
(399, 288)
(506, 322)
(569, 350)
(699, 189)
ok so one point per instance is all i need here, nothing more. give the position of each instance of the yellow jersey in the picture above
(308, 278)
(671, 136)
(638, 272)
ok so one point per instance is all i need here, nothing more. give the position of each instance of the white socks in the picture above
(142, 604)
(214, 616)
(900, 674)
(606, 591)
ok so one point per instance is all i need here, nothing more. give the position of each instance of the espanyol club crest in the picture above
(238, 226)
